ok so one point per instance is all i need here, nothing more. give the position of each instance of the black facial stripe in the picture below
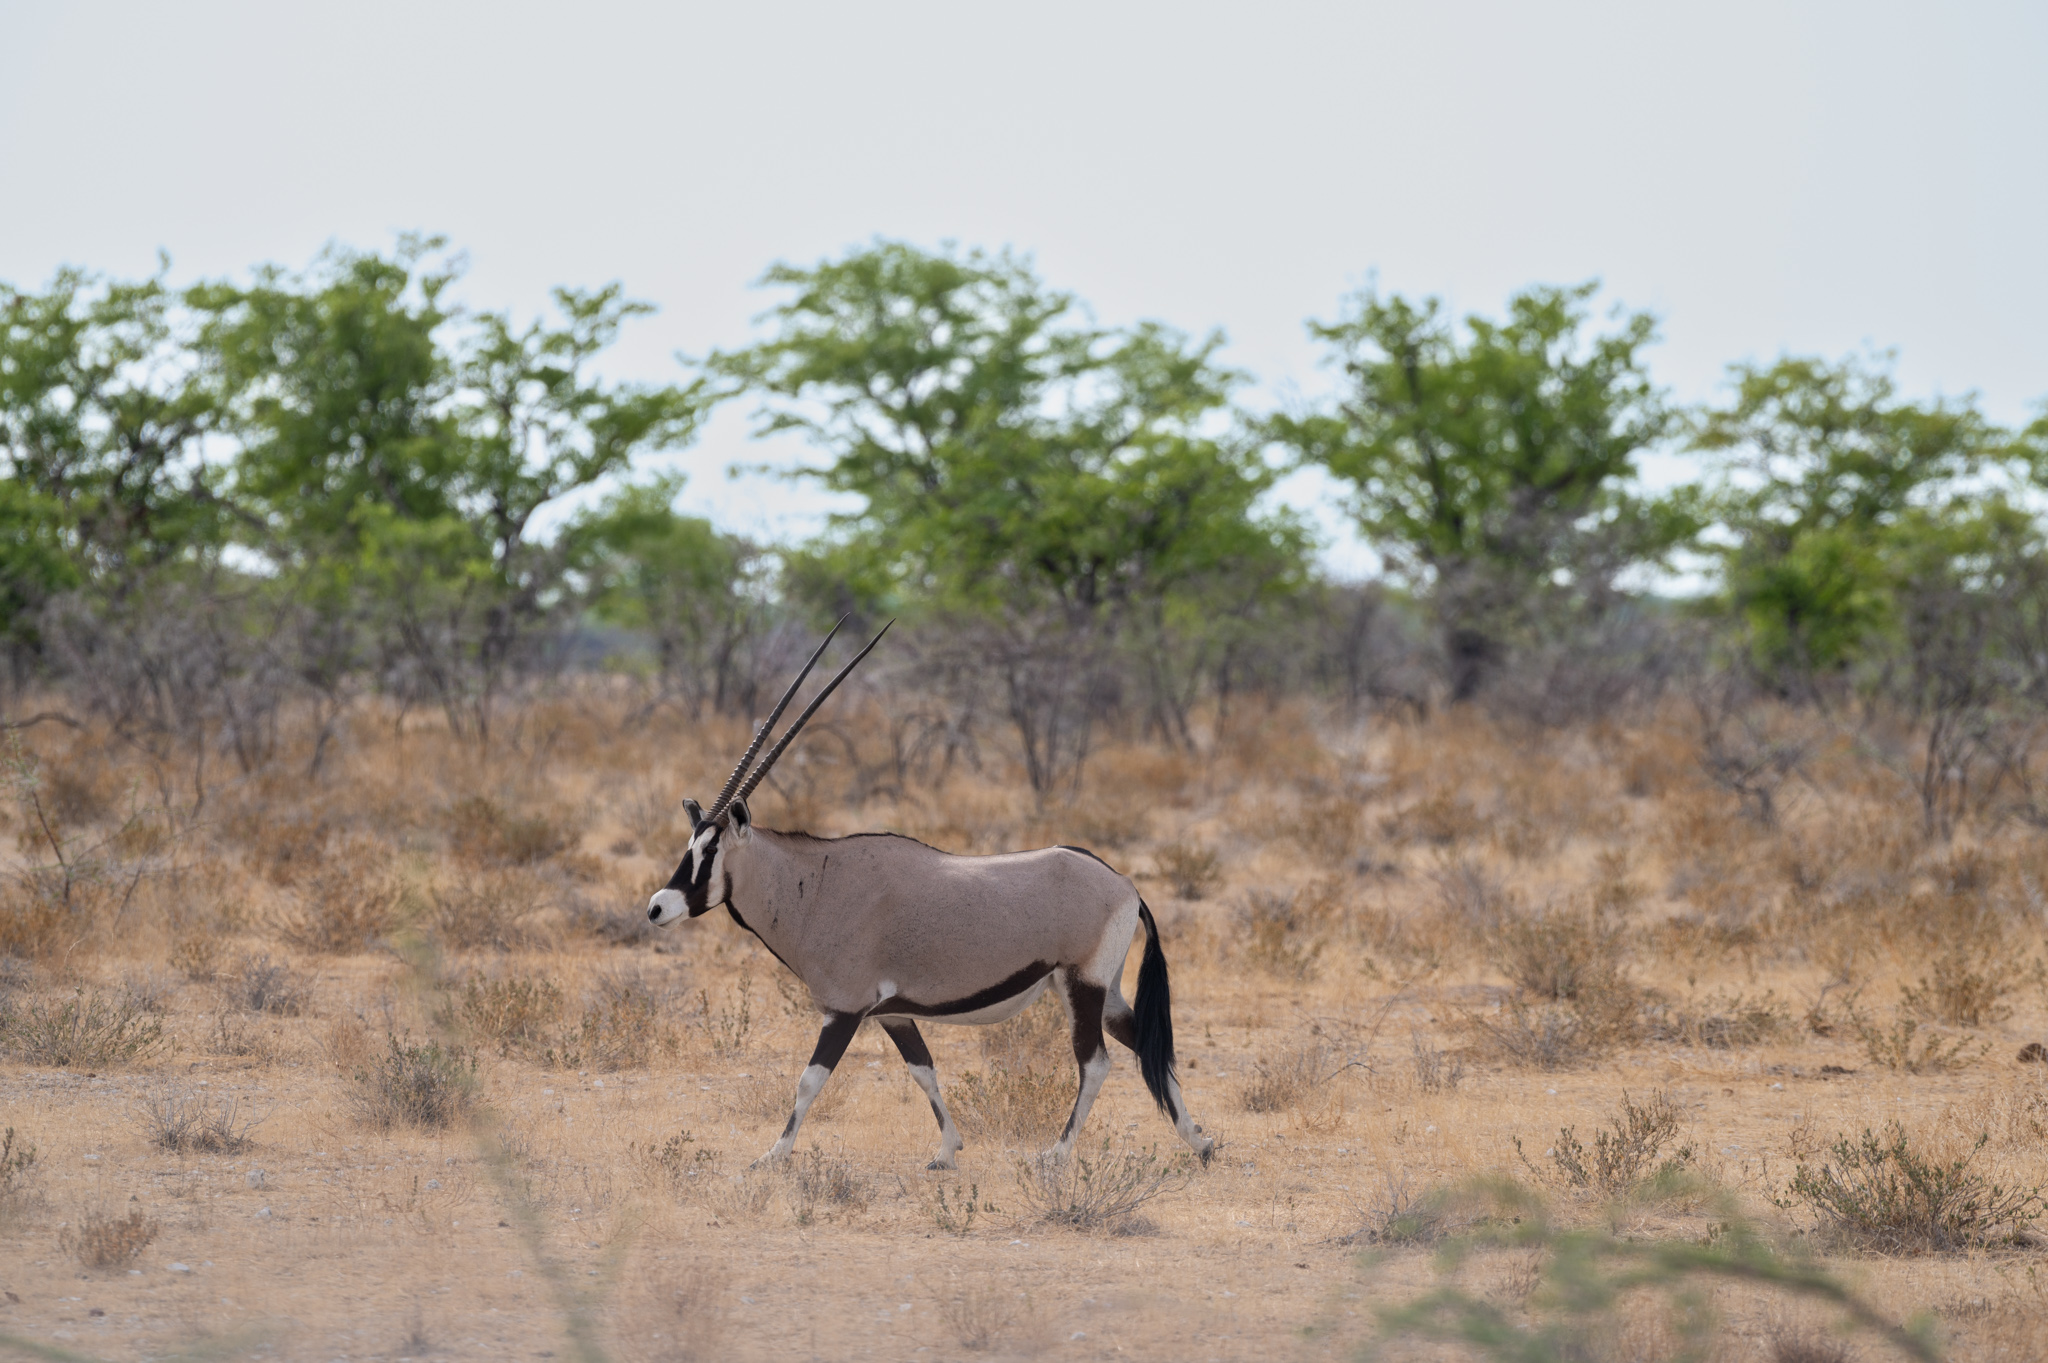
(985, 998)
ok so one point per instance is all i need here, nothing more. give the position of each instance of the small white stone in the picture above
(433, 1183)
(263, 1214)
(254, 1178)
(181, 1268)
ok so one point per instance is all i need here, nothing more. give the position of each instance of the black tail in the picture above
(1153, 1011)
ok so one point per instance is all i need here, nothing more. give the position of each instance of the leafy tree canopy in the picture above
(1830, 487)
(1492, 461)
(1005, 451)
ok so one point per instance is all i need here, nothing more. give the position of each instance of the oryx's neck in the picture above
(777, 880)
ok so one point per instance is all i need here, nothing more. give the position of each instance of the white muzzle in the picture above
(666, 907)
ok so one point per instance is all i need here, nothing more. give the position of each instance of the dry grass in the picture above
(179, 1120)
(501, 1106)
(101, 1240)
(1100, 1192)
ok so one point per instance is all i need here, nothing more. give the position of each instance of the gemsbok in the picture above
(878, 925)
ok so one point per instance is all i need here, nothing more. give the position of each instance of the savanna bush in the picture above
(1881, 1193)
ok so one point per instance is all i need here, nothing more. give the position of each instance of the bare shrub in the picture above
(1625, 1154)
(955, 1215)
(422, 1084)
(1440, 819)
(35, 926)
(484, 834)
(1279, 933)
(1328, 829)
(516, 1014)
(1194, 871)
(152, 991)
(1472, 902)
(624, 1026)
(1720, 1021)
(1436, 1070)
(1278, 1082)
(1969, 984)
(494, 909)
(1011, 1106)
(103, 1241)
(1879, 1193)
(652, 813)
(1549, 1035)
(17, 1163)
(1562, 953)
(820, 1185)
(261, 985)
(1099, 1194)
(346, 902)
(1401, 1216)
(183, 1120)
(1907, 1047)
(694, 1312)
(85, 1031)
(983, 1314)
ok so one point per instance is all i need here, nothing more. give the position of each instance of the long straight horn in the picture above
(732, 782)
(809, 710)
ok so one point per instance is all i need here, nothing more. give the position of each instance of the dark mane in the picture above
(849, 837)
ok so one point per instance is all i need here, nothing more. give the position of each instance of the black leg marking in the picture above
(834, 1037)
(909, 1041)
(1123, 1027)
(1084, 1000)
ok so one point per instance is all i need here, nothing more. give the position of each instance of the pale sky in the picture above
(1765, 177)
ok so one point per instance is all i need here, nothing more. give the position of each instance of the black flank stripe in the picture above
(985, 998)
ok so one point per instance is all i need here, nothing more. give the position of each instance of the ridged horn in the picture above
(739, 773)
(809, 710)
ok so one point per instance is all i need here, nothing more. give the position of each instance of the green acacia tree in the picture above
(396, 450)
(1830, 490)
(1015, 464)
(1493, 464)
(104, 412)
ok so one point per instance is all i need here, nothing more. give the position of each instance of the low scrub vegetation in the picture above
(1102, 1192)
(101, 1240)
(182, 1120)
(1626, 1153)
(427, 1084)
(88, 1030)
(1878, 1192)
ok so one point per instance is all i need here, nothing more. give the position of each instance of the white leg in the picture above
(910, 1044)
(1092, 1075)
(833, 1039)
(949, 1135)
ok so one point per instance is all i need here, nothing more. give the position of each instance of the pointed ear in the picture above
(696, 813)
(741, 820)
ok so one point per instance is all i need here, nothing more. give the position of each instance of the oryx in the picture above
(881, 926)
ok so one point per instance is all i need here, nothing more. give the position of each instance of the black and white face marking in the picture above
(700, 881)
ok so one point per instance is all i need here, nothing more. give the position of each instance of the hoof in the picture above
(942, 1164)
(768, 1161)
